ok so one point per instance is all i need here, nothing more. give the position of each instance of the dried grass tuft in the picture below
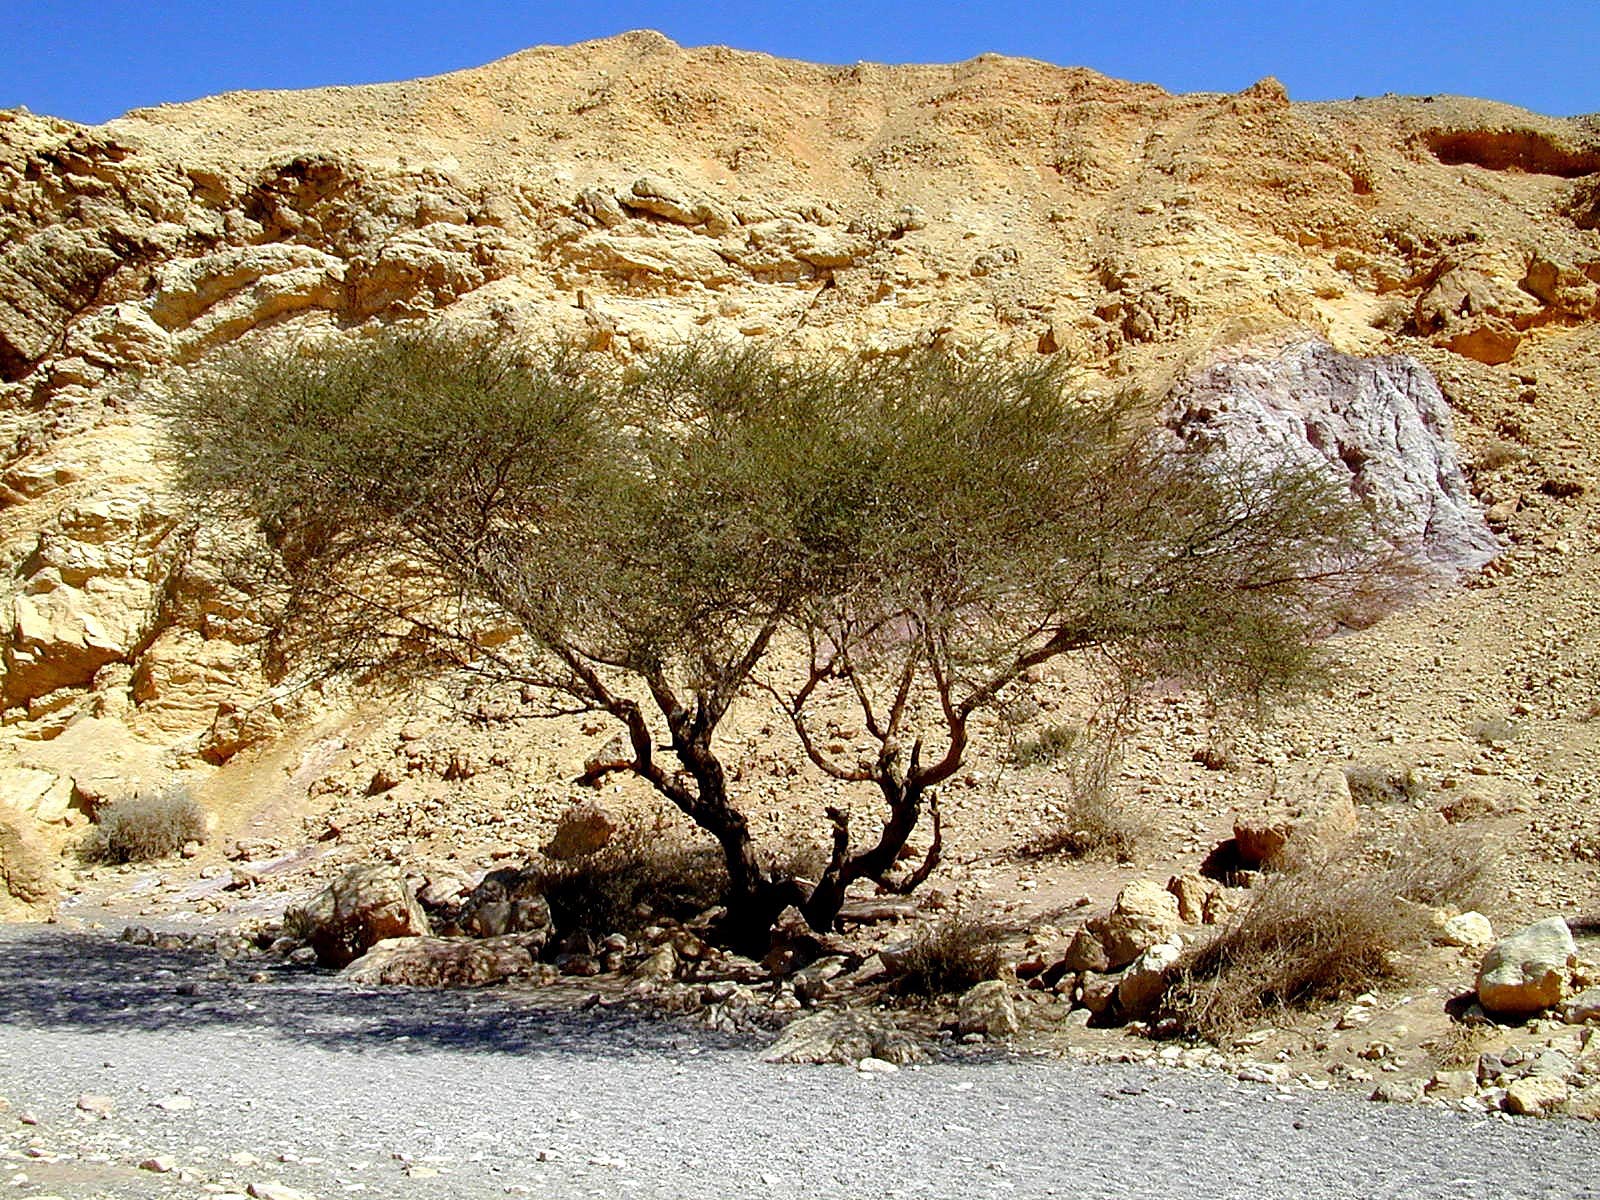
(951, 955)
(144, 828)
(637, 877)
(1320, 933)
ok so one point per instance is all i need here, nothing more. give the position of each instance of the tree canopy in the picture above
(924, 529)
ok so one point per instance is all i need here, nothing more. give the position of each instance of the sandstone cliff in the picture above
(631, 192)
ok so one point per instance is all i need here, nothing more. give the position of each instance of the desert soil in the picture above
(632, 193)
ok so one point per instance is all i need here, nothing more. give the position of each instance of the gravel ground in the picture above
(337, 1090)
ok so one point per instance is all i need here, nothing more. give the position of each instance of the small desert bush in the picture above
(1458, 1046)
(298, 924)
(1442, 867)
(637, 877)
(951, 955)
(1051, 745)
(799, 859)
(142, 828)
(1487, 731)
(1091, 823)
(1498, 454)
(1306, 936)
(1382, 783)
(1093, 826)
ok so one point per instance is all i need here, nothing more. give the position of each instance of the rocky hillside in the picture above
(630, 193)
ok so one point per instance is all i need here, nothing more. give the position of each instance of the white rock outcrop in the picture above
(1379, 426)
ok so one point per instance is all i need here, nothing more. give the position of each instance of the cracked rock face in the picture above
(629, 194)
(1380, 426)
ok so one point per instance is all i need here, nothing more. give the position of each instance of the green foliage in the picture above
(400, 481)
(925, 529)
(420, 487)
(144, 828)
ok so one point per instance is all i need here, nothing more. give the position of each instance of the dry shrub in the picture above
(1443, 867)
(1052, 745)
(1092, 824)
(143, 828)
(637, 877)
(1382, 783)
(1320, 933)
(1498, 454)
(1490, 731)
(1306, 936)
(1458, 1046)
(951, 955)
(799, 858)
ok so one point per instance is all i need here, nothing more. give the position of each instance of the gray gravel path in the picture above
(343, 1091)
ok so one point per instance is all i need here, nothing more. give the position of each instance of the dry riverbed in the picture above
(129, 1073)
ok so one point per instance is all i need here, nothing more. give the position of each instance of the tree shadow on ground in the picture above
(52, 978)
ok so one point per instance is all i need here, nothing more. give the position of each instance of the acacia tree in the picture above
(640, 542)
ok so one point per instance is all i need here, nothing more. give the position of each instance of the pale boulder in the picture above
(1526, 972)
(1309, 814)
(1378, 426)
(1192, 890)
(1536, 1096)
(1583, 1009)
(44, 795)
(1146, 979)
(846, 1036)
(1470, 930)
(441, 962)
(1144, 913)
(27, 868)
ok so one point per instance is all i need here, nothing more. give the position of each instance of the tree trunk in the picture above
(822, 907)
(754, 897)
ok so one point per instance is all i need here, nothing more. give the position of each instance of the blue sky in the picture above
(92, 60)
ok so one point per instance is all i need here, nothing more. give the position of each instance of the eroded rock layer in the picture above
(1237, 252)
